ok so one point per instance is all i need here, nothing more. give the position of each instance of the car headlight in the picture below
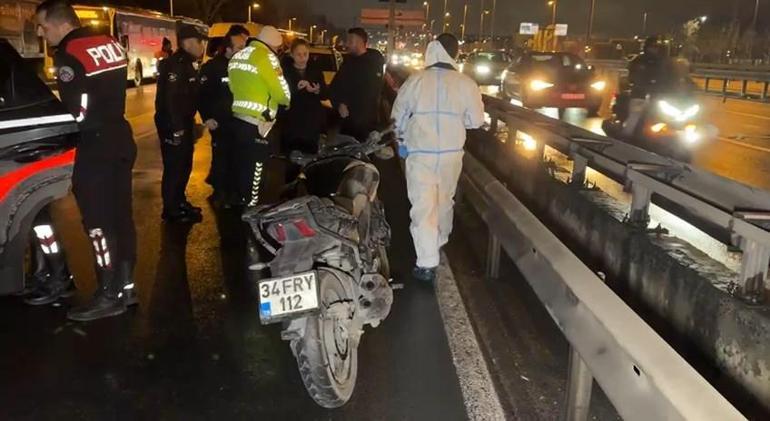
(691, 134)
(539, 85)
(675, 113)
(599, 85)
(483, 69)
(691, 112)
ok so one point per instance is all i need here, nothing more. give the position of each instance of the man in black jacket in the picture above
(356, 89)
(91, 76)
(216, 102)
(176, 103)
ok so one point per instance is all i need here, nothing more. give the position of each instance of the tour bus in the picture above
(17, 26)
(140, 31)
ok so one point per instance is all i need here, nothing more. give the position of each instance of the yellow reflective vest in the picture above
(257, 82)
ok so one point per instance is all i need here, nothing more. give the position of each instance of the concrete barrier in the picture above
(674, 284)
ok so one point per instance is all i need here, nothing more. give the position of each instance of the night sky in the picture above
(613, 17)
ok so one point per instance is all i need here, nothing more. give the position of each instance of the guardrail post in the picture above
(744, 88)
(764, 90)
(493, 257)
(640, 205)
(579, 385)
(725, 82)
(706, 85)
(579, 166)
(754, 266)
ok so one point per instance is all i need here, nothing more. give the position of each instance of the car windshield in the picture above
(559, 60)
(492, 56)
(325, 62)
(19, 85)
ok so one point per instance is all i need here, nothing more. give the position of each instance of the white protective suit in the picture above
(433, 109)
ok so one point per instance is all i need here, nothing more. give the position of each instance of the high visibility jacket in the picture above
(257, 82)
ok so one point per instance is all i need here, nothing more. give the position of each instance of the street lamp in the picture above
(432, 21)
(311, 32)
(494, 17)
(253, 6)
(703, 19)
(290, 22)
(465, 17)
(644, 23)
(427, 9)
(554, 4)
(481, 25)
(447, 17)
(323, 36)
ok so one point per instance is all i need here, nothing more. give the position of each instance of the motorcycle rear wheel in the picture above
(326, 357)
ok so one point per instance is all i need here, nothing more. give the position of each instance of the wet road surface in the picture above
(194, 349)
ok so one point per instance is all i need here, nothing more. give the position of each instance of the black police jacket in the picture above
(216, 100)
(176, 100)
(91, 75)
(306, 117)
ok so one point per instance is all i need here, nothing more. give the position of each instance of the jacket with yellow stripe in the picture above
(257, 83)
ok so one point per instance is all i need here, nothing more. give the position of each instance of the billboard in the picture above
(405, 18)
(528, 28)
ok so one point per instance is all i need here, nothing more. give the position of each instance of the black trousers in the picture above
(253, 152)
(223, 175)
(102, 185)
(177, 157)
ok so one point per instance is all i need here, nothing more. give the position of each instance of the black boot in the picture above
(126, 279)
(107, 300)
(38, 271)
(58, 283)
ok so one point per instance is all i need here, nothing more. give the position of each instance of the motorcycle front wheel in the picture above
(326, 356)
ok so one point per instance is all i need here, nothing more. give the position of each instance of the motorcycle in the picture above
(669, 121)
(330, 273)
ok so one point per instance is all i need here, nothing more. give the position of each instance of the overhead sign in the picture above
(528, 28)
(561, 29)
(406, 18)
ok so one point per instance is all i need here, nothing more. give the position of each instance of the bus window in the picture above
(124, 41)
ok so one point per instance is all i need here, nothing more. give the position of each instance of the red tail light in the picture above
(304, 229)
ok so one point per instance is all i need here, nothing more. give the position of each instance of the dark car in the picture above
(486, 67)
(548, 79)
(37, 137)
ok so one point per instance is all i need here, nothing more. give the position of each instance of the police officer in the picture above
(91, 73)
(176, 103)
(258, 87)
(216, 111)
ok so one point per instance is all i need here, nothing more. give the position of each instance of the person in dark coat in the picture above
(216, 102)
(356, 89)
(305, 120)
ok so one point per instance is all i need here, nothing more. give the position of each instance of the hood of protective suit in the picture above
(435, 53)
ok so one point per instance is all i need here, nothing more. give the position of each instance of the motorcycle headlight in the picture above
(483, 69)
(599, 85)
(539, 85)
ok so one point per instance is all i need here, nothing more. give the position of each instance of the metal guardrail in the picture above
(734, 213)
(640, 373)
(708, 72)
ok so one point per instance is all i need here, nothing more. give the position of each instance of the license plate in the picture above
(573, 96)
(281, 297)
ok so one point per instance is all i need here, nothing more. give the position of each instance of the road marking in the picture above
(481, 399)
(761, 117)
(744, 144)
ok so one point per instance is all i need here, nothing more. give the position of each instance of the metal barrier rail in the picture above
(644, 378)
(734, 213)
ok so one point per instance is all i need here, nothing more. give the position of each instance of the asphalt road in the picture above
(194, 349)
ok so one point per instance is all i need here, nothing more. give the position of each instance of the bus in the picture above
(17, 26)
(140, 32)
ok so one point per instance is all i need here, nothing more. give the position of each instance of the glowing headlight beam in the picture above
(483, 69)
(599, 85)
(539, 85)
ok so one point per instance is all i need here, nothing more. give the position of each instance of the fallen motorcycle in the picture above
(329, 273)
